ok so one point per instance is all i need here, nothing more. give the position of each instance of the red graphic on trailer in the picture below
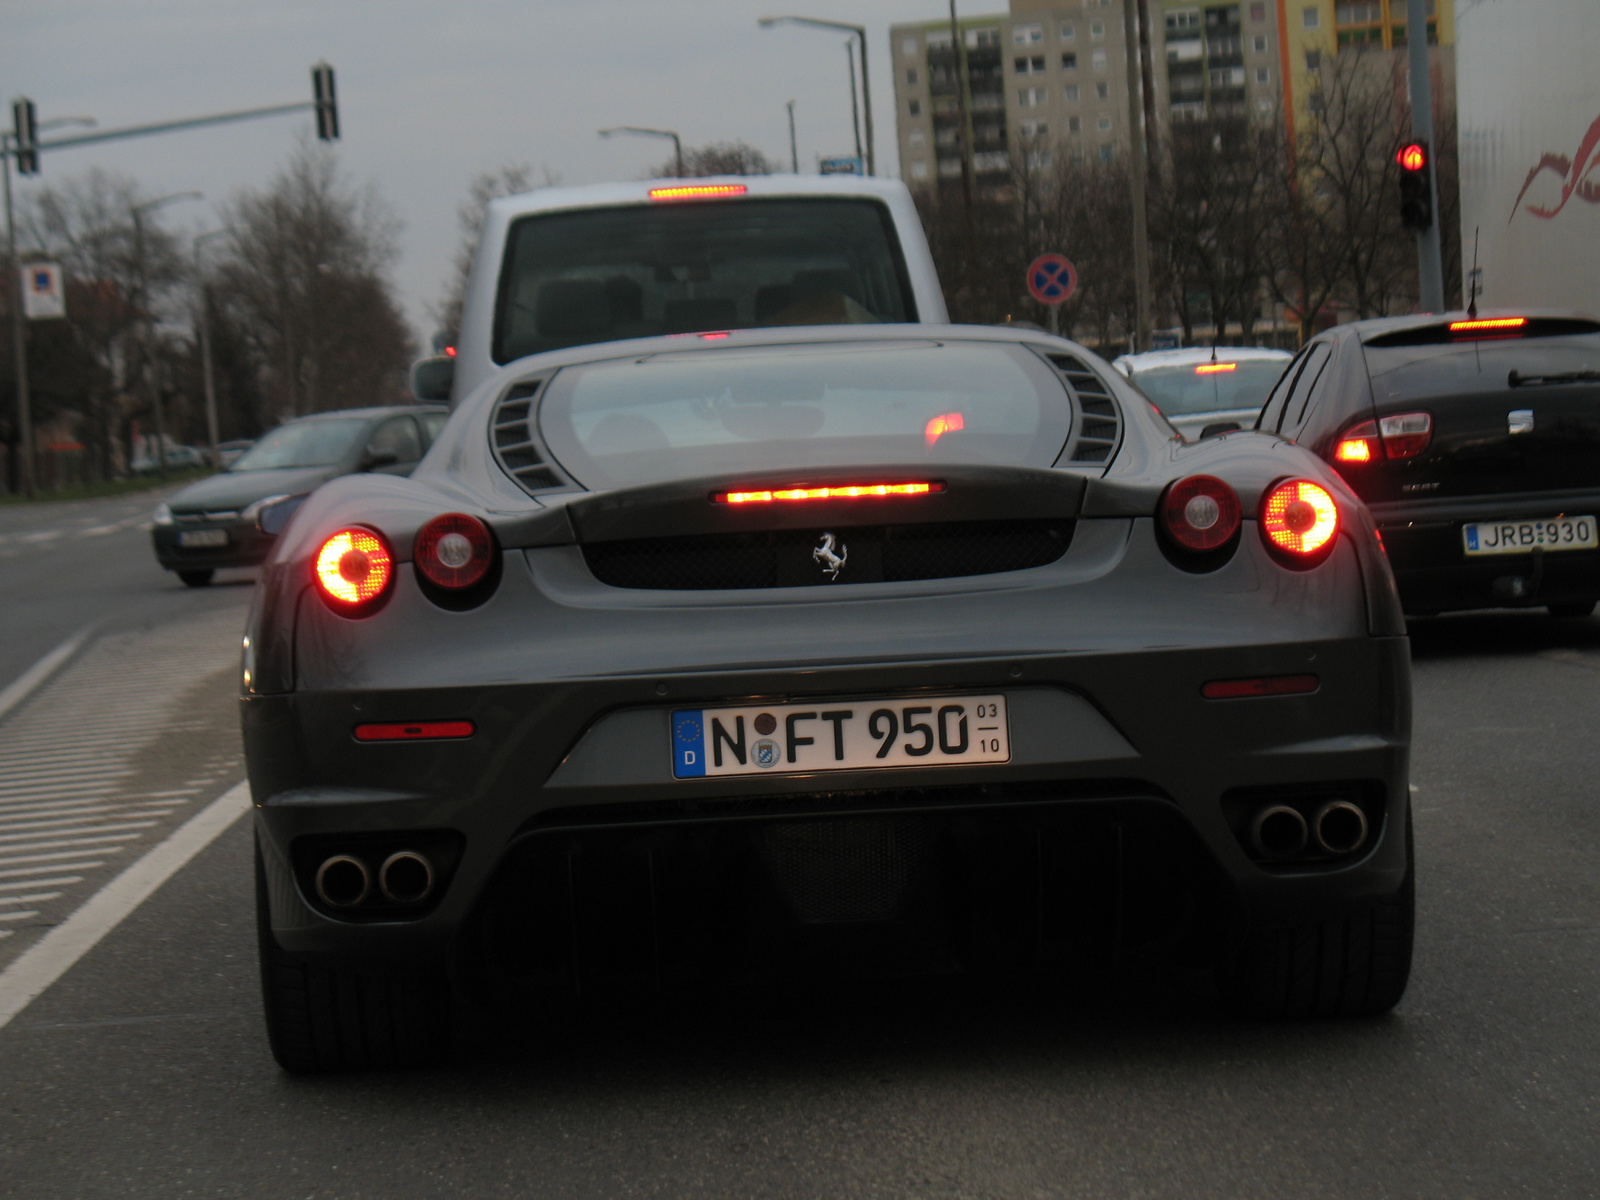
(1052, 278)
(1574, 174)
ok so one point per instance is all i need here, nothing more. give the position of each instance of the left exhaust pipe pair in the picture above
(1279, 831)
(344, 881)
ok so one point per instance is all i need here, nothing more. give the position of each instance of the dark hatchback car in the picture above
(1475, 441)
(212, 523)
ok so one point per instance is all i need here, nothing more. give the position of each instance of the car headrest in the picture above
(573, 308)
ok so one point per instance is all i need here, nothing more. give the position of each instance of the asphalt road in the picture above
(144, 1070)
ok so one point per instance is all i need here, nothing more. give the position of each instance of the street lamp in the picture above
(677, 146)
(19, 338)
(205, 341)
(860, 33)
(138, 211)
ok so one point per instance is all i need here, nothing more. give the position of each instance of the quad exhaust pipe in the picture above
(344, 881)
(1281, 831)
(1339, 827)
(1278, 831)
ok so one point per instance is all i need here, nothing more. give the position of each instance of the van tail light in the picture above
(353, 570)
(454, 551)
(1405, 435)
(1200, 513)
(1299, 518)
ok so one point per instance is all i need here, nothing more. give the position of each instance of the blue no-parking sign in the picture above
(1052, 278)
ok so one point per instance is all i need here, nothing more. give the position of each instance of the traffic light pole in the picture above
(1430, 263)
(19, 342)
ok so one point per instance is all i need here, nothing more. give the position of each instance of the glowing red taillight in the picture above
(698, 191)
(454, 551)
(1200, 512)
(1401, 435)
(852, 491)
(1299, 517)
(353, 569)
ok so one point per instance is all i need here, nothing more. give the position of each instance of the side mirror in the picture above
(1218, 427)
(432, 378)
(372, 459)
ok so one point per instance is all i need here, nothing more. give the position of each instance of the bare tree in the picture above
(306, 280)
(718, 158)
(509, 180)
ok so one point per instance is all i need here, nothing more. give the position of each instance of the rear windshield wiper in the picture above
(1585, 376)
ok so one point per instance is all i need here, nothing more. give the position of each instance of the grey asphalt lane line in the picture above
(37, 675)
(53, 955)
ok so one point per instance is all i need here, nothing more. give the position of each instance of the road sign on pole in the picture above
(1051, 281)
(42, 294)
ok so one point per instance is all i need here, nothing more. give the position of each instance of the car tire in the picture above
(1572, 609)
(1355, 966)
(323, 1019)
(196, 578)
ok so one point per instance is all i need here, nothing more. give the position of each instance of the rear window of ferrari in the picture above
(600, 275)
(894, 406)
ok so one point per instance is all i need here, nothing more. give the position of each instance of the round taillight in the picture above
(353, 569)
(1200, 512)
(1299, 517)
(454, 551)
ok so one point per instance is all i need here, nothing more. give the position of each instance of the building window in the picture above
(1183, 21)
(1069, 61)
(1099, 60)
(917, 137)
(1104, 123)
(1264, 104)
(1258, 11)
(911, 76)
(1259, 43)
(915, 108)
(1024, 35)
(1032, 97)
(1097, 29)
(1071, 93)
(1263, 75)
(1039, 159)
(1067, 32)
(1311, 17)
(1105, 153)
(1020, 65)
(1313, 60)
(938, 39)
(1102, 91)
(909, 47)
(1030, 129)
(919, 169)
(979, 39)
(1077, 154)
(1074, 124)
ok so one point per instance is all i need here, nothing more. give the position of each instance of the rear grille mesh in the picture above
(854, 870)
(1102, 424)
(516, 447)
(873, 554)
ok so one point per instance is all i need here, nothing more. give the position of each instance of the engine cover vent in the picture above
(516, 443)
(1100, 424)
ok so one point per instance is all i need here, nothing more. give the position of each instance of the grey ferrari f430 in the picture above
(737, 657)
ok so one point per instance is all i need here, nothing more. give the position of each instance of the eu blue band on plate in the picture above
(688, 743)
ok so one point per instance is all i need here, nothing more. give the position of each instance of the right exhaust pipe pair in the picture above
(344, 881)
(1281, 831)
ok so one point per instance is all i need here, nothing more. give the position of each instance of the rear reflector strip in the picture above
(850, 492)
(698, 191)
(419, 731)
(1272, 685)
(1488, 324)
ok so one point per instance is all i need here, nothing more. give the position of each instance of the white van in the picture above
(568, 266)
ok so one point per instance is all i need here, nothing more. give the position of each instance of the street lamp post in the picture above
(205, 341)
(860, 33)
(138, 211)
(677, 145)
(794, 152)
(19, 337)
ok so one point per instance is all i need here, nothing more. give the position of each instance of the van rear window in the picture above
(599, 275)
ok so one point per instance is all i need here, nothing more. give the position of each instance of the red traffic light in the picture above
(1413, 156)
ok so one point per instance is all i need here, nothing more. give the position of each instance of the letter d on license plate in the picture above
(850, 735)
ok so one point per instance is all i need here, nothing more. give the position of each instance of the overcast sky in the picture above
(432, 94)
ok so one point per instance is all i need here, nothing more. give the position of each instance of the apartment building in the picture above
(1048, 78)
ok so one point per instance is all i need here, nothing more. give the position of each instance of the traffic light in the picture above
(1416, 185)
(25, 135)
(327, 103)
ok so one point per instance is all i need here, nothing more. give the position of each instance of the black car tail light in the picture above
(1299, 519)
(454, 551)
(1200, 513)
(353, 570)
(1359, 444)
(1399, 435)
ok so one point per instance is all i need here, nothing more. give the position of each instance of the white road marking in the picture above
(28, 682)
(53, 955)
(61, 881)
(17, 916)
(77, 866)
(36, 898)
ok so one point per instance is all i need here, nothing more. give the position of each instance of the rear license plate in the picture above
(1521, 537)
(853, 735)
(194, 539)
